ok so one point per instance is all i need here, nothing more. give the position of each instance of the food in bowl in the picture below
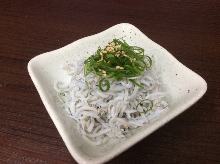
(112, 92)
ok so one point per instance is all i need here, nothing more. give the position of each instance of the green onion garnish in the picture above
(104, 85)
(117, 61)
(136, 83)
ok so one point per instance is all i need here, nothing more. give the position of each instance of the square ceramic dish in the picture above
(184, 87)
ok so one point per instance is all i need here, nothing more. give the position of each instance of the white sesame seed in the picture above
(117, 54)
(119, 67)
(112, 44)
(117, 47)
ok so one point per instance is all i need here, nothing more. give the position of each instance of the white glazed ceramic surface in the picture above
(183, 86)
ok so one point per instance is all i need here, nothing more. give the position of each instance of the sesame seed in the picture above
(118, 46)
(119, 67)
(117, 54)
(112, 44)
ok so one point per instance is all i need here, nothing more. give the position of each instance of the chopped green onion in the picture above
(118, 61)
(135, 83)
(148, 60)
(104, 85)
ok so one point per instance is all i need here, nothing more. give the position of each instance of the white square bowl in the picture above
(184, 87)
